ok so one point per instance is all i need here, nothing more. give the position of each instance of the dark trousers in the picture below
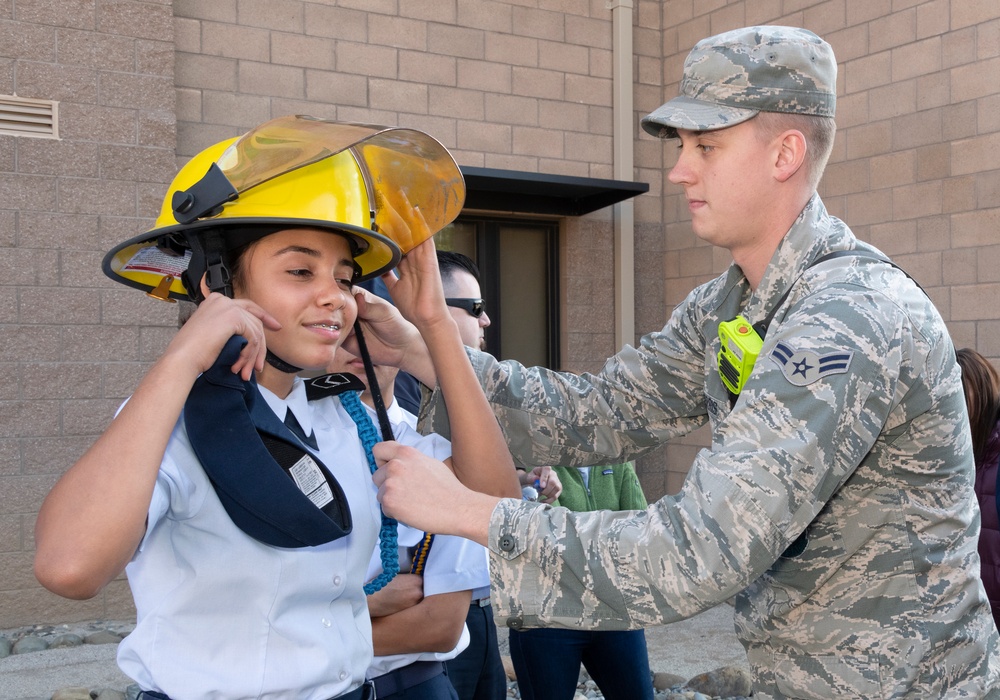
(436, 688)
(365, 692)
(547, 663)
(477, 673)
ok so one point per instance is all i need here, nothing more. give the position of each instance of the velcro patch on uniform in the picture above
(804, 367)
(331, 385)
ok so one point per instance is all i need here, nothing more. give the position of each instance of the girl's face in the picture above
(302, 277)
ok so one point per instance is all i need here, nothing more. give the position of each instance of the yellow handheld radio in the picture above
(740, 343)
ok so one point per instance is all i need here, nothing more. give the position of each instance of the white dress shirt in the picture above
(220, 615)
(453, 564)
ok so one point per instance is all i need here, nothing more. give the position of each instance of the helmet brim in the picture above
(141, 263)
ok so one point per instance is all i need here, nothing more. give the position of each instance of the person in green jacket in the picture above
(547, 660)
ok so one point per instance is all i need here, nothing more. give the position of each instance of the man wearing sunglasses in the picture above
(460, 278)
(477, 673)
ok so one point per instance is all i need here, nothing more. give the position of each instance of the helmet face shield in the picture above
(388, 189)
(401, 166)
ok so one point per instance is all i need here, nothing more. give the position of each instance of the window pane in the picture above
(459, 237)
(516, 261)
(524, 308)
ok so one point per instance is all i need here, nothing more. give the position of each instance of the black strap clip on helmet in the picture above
(204, 197)
(208, 253)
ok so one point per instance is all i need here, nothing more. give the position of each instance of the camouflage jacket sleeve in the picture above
(642, 397)
(777, 458)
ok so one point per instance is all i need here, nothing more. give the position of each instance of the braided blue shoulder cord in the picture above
(387, 540)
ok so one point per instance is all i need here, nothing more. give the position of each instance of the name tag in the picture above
(310, 480)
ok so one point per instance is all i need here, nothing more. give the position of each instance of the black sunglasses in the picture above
(476, 307)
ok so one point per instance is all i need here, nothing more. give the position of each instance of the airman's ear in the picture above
(791, 155)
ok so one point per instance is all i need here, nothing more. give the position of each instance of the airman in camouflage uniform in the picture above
(836, 500)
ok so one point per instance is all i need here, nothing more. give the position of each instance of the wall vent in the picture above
(21, 116)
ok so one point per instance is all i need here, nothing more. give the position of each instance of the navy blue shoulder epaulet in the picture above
(331, 385)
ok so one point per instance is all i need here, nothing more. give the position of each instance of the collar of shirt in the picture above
(296, 402)
(814, 233)
(397, 415)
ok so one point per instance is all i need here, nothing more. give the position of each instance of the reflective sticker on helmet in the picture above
(152, 259)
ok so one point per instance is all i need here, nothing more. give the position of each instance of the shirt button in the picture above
(337, 580)
(343, 675)
(515, 623)
(506, 543)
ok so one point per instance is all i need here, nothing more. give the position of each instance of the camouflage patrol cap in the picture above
(731, 77)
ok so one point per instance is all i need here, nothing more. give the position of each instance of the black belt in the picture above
(406, 677)
(480, 602)
(364, 692)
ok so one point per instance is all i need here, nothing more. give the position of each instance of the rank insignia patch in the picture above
(804, 367)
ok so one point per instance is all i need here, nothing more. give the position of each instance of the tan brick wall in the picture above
(917, 158)
(72, 344)
(525, 85)
(501, 84)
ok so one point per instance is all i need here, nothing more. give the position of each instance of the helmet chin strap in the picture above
(280, 364)
(383, 417)
(373, 388)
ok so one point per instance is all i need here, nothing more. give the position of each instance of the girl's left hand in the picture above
(415, 285)
(388, 335)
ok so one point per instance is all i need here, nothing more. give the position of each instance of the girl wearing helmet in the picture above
(247, 583)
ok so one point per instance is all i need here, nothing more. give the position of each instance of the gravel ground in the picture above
(684, 650)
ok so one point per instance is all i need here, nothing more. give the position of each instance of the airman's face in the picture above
(724, 174)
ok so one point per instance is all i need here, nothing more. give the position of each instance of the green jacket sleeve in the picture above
(631, 495)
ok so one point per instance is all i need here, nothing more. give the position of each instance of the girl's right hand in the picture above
(213, 323)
